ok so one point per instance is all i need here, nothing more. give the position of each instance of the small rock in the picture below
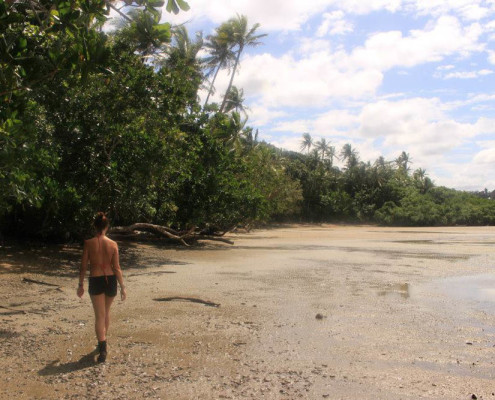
(474, 397)
(319, 316)
(470, 343)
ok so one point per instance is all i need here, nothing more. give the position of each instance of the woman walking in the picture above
(103, 256)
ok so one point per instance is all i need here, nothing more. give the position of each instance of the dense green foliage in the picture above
(93, 121)
(384, 192)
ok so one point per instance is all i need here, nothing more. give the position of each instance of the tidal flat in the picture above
(297, 311)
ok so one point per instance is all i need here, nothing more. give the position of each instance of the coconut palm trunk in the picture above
(238, 57)
(212, 83)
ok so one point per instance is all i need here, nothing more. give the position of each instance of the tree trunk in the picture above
(212, 82)
(231, 79)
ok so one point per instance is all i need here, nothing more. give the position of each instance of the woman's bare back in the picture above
(101, 252)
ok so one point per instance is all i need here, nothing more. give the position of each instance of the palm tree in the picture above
(403, 162)
(221, 56)
(349, 154)
(423, 182)
(184, 49)
(323, 147)
(381, 171)
(250, 139)
(331, 154)
(141, 28)
(306, 142)
(236, 127)
(235, 99)
(237, 33)
(380, 162)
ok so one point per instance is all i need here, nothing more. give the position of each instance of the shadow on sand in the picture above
(84, 362)
(62, 261)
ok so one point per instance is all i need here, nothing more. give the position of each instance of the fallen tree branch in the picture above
(39, 282)
(12, 311)
(169, 233)
(191, 299)
(140, 226)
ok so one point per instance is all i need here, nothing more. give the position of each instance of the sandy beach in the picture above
(303, 311)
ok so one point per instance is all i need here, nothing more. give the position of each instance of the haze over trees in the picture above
(95, 121)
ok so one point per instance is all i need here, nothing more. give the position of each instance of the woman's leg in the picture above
(108, 303)
(100, 316)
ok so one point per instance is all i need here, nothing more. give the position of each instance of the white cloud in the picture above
(486, 126)
(365, 7)
(446, 37)
(433, 138)
(445, 67)
(282, 15)
(467, 9)
(335, 121)
(330, 123)
(485, 157)
(403, 117)
(260, 116)
(491, 57)
(317, 73)
(471, 100)
(489, 26)
(468, 74)
(273, 15)
(306, 82)
(297, 126)
(334, 24)
(418, 124)
(465, 176)
(309, 45)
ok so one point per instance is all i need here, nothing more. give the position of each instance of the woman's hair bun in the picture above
(101, 221)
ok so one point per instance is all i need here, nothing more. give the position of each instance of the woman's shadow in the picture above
(54, 368)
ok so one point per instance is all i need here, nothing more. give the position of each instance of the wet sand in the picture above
(338, 312)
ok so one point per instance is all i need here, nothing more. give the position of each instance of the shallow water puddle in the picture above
(478, 289)
(400, 289)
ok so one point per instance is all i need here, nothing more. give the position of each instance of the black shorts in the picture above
(103, 284)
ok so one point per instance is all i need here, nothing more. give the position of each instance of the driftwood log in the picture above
(164, 231)
(39, 282)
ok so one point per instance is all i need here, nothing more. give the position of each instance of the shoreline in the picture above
(384, 331)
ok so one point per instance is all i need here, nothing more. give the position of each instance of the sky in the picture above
(385, 76)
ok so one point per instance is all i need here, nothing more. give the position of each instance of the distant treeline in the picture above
(485, 194)
(384, 192)
(93, 121)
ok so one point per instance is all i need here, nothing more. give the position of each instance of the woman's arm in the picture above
(118, 272)
(82, 270)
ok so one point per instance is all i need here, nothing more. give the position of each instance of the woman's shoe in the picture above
(102, 347)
